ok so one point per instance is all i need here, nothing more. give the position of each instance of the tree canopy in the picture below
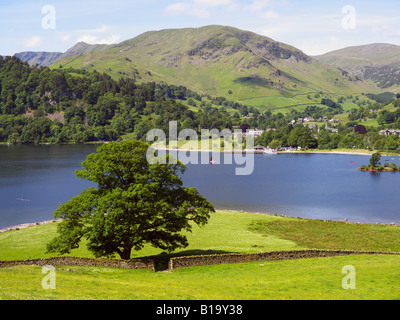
(375, 158)
(134, 203)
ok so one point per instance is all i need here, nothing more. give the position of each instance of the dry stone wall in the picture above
(201, 260)
(83, 262)
(187, 261)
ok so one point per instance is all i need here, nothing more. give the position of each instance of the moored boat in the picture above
(270, 151)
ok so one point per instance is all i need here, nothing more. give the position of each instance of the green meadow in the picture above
(377, 276)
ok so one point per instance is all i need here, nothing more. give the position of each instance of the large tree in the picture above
(134, 203)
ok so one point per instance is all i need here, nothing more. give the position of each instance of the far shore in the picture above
(362, 153)
(27, 225)
(349, 152)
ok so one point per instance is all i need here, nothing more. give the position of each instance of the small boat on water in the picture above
(212, 161)
(270, 151)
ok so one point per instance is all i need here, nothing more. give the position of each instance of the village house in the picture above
(332, 129)
(301, 120)
(255, 132)
(312, 126)
(252, 132)
(389, 132)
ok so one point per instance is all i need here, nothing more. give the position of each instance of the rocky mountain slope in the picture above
(378, 62)
(39, 58)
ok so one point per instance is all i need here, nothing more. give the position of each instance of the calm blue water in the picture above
(320, 186)
(34, 180)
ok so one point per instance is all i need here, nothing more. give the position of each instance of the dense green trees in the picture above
(89, 106)
(386, 117)
(302, 136)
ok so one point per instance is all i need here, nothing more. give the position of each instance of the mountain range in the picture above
(378, 62)
(241, 65)
(39, 58)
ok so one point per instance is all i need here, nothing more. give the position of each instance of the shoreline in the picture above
(363, 153)
(25, 225)
(32, 224)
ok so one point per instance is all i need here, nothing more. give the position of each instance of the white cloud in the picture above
(103, 28)
(270, 14)
(88, 38)
(65, 37)
(92, 39)
(111, 39)
(97, 36)
(199, 12)
(212, 3)
(197, 8)
(177, 8)
(33, 42)
(258, 5)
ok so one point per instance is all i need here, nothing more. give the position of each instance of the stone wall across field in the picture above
(83, 262)
(187, 261)
(201, 260)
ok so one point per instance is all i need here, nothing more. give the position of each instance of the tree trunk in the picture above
(126, 253)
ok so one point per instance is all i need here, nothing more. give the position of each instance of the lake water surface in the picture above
(34, 180)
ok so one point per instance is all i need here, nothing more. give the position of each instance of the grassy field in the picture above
(227, 231)
(378, 277)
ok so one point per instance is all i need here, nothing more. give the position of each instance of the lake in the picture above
(34, 180)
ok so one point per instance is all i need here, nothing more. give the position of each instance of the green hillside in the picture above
(360, 56)
(221, 61)
(378, 62)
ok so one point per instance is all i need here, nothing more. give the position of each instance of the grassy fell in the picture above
(216, 59)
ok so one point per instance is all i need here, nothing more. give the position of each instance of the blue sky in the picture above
(315, 27)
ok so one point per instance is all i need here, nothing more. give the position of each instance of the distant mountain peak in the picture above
(81, 48)
(38, 58)
(379, 62)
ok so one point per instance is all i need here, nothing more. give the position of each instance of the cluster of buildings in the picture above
(389, 132)
(302, 120)
(251, 132)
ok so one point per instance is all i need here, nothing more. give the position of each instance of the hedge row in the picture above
(83, 262)
(201, 260)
